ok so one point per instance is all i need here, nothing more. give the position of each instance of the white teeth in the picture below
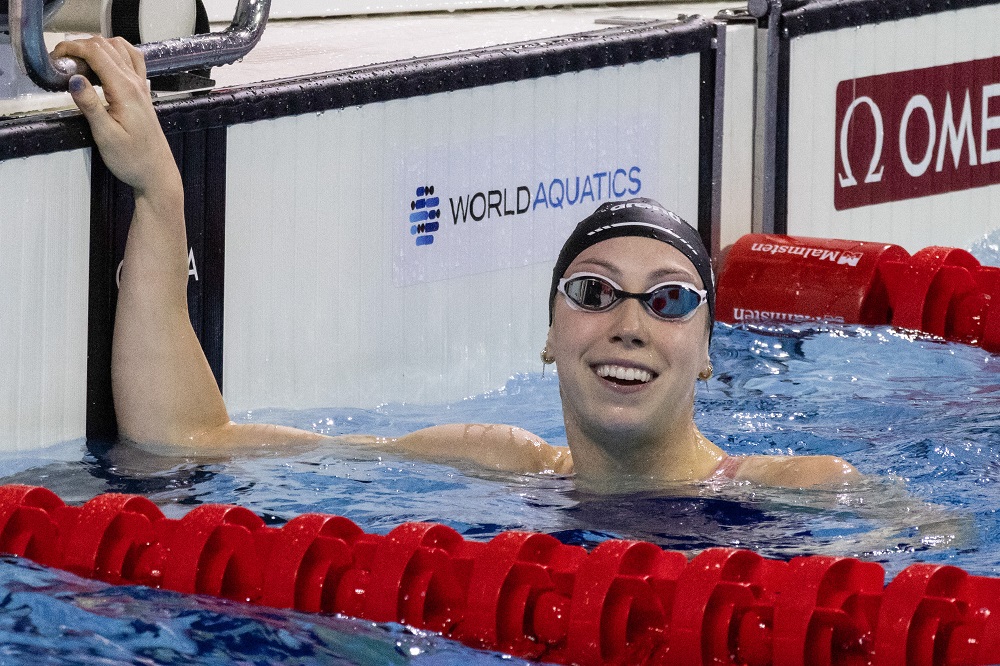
(626, 374)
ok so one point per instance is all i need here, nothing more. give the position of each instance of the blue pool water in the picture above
(919, 416)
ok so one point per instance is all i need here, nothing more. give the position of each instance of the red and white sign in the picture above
(916, 133)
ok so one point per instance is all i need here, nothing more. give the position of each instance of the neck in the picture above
(615, 461)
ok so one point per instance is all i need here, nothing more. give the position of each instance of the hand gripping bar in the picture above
(166, 57)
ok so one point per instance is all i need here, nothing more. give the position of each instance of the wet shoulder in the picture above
(792, 471)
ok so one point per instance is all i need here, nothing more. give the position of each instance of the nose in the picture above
(629, 325)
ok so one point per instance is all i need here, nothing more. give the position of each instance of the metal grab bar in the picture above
(170, 56)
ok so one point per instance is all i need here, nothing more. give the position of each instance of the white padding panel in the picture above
(44, 260)
(329, 298)
(738, 133)
(818, 63)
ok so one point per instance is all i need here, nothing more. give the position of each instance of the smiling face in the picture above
(626, 376)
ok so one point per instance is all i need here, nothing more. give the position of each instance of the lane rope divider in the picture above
(527, 594)
(773, 279)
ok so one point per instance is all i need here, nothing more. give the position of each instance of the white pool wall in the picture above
(328, 299)
(739, 97)
(45, 236)
(818, 63)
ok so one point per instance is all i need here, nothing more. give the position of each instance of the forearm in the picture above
(155, 265)
(237, 439)
(164, 389)
(498, 447)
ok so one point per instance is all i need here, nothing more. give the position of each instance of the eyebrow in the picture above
(658, 275)
(669, 273)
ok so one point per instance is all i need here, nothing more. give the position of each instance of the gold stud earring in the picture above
(706, 374)
(547, 358)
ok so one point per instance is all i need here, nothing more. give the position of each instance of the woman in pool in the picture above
(631, 313)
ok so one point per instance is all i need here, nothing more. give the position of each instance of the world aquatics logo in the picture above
(424, 214)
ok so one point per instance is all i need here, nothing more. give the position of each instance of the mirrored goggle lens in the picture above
(673, 301)
(591, 293)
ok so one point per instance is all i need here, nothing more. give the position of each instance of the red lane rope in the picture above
(625, 602)
(943, 291)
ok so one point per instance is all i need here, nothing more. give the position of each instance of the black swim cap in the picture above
(636, 217)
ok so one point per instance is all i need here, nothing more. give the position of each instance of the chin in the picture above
(623, 428)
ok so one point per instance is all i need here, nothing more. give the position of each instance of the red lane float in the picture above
(626, 602)
(768, 278)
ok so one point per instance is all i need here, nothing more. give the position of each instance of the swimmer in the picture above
(631, 310)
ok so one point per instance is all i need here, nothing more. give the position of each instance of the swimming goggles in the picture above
(670, 301)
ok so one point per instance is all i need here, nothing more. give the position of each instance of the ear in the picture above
(706, 368)
(547, 356)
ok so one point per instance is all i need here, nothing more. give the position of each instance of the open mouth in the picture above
(623, 376)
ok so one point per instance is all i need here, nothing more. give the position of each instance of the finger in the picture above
(121, 47)
(138, 60)
(62, 49)
(129, 60)
(131, 56)
(117, 54)
(90, 50)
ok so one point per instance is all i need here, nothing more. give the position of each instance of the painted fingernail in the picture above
(76, 83)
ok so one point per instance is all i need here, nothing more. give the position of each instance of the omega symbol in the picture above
(847, 178)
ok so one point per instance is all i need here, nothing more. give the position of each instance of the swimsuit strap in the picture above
(729, 467)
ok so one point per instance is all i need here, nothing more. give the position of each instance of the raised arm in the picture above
(164, 391)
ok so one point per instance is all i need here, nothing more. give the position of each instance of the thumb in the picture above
(102, 126)
(87, 99)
